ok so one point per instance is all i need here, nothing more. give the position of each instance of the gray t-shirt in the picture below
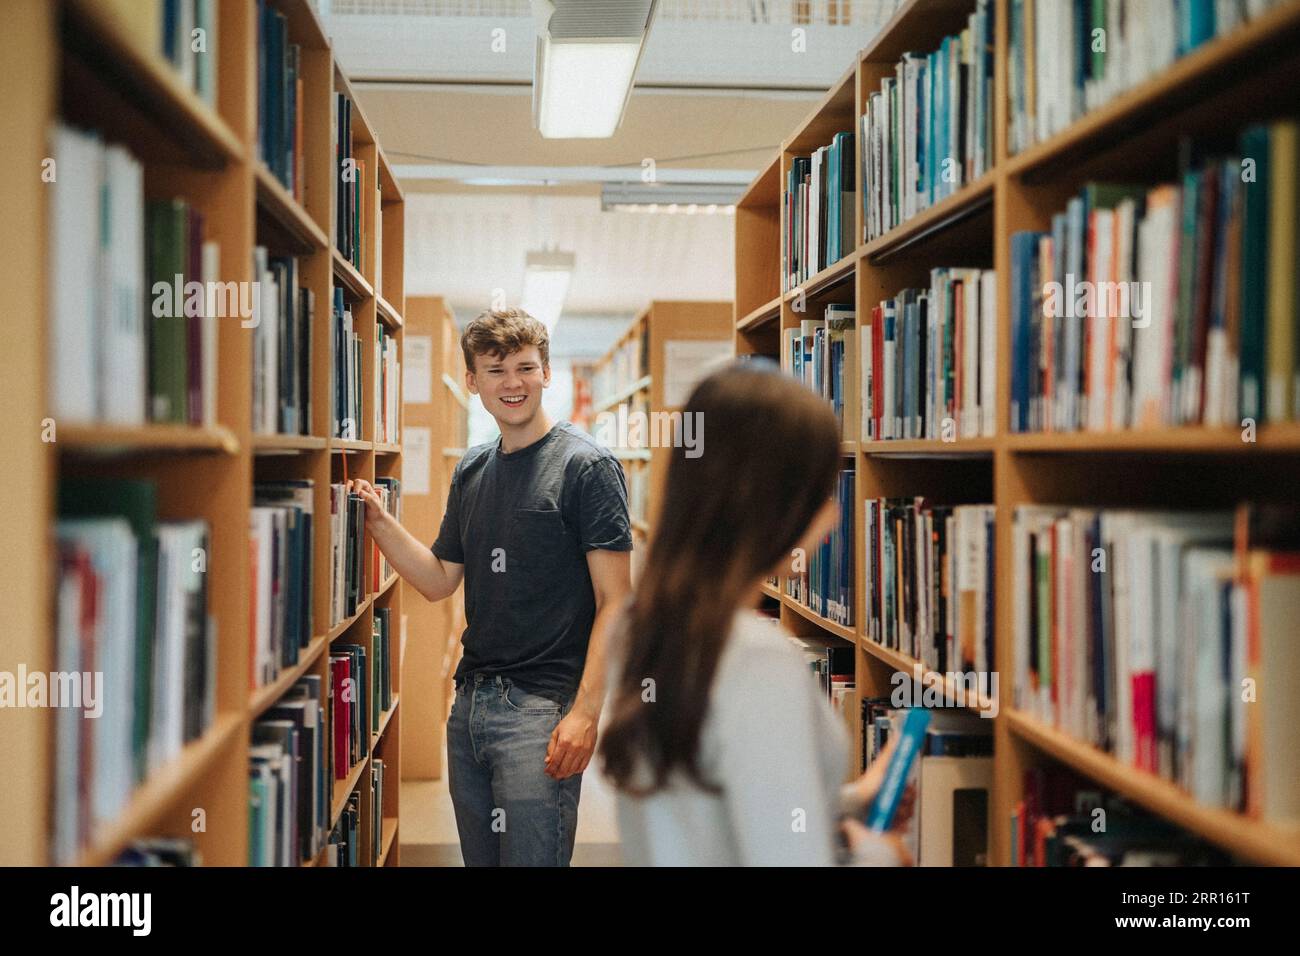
(522, 523)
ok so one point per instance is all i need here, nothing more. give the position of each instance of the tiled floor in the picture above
(429, 825)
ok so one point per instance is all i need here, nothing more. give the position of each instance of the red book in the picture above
(341, 697)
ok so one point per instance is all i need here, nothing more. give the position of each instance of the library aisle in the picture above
(360, 364)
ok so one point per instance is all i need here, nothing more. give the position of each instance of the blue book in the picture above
(911, 736)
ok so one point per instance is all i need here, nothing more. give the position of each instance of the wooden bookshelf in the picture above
(616, 387)
(84, 62)
(440, 411)
(1212, 93)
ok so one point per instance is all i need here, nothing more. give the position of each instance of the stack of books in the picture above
(346, 378)
(347, 552)
(822, 580)
(387, 397)
(280, 538)
(290, 782)
(281, 348)
(279, 100)
(821, 353)
(818, 211)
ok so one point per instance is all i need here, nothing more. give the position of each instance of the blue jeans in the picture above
(508, 811)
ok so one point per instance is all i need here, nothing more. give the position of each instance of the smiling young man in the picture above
(537, 525)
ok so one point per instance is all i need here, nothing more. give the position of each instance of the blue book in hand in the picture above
(911, 736)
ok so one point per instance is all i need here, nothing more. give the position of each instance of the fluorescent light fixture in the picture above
(586, 60)
(689, 198)
(546, 283)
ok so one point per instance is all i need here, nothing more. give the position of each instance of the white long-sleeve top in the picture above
(779, 753)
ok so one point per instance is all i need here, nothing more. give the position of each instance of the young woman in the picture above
(720, 744)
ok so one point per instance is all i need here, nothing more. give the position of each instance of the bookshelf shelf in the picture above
(826, 624)
(763, 314)
(97, 34)
(294, 221)
(910, 665)
(287, 444)
(833, 275)
(353, 282)
(1209, 96)
(164, 439)
(770, 591)
(1282, 437)
(342, 788)
(967, 202)
(1251, 839)
(387, 448)
(387, 313)
(389, 835)
(264, 697)
(930, 448)
(622, 394)
(343, 626)
(98, 67)
(384, 717)
(1187, 79)
(156, 795)
(456, 391)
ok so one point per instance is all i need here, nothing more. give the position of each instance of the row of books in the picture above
(134, 648)
(1063, 820)
(952, 779)
(1068, 57)
(352, 691)
(280, 543)
(188, 38)
(134, 336)
(821, 354)
(1167, 639)
(822, 580)
(929, 359)
(930, 582)
(376, 783)
(1168, 306)
(344, 847)
(290, 778)
(279, 99)
(388, 373)
(281, 347)
(626, 365)
(390, 493)
(160, 851)
(351, 189)
(381, 643)
(928, 130)
(817, 209)
(347, 552)
(346, 378)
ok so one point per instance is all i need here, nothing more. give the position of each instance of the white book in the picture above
(74, 248)
(121, 372)
(211, 259)
(988, 352)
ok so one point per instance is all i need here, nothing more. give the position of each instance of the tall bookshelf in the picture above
(1217, 88)
(88, 64)
(434, 629)
(634, 375)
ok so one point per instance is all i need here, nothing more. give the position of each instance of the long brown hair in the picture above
(768, 464)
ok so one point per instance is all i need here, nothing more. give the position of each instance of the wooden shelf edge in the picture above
(349, 445)
(764, 314)
(622, 395)
(964, 203)
(1258, 841)
(910, 665)
(1278, 437)
(829, 277)
(341, 628)
(386, 312)
(344, 787)
(384, 717)
(281, 206)
(770, 168)
(839, 630)
(389, 825)
(846, 79)
(263, 698)
(351, 279)
(153, 797)
(126, 439)
(769, 590)
(929, 448)
(388, 448)
(288, 443)
(456, 391)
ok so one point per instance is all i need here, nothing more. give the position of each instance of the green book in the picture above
(167, 238)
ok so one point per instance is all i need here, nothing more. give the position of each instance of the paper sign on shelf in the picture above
(417, 382)
(415, 460)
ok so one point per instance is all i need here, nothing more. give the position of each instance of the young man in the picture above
(537, 525)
